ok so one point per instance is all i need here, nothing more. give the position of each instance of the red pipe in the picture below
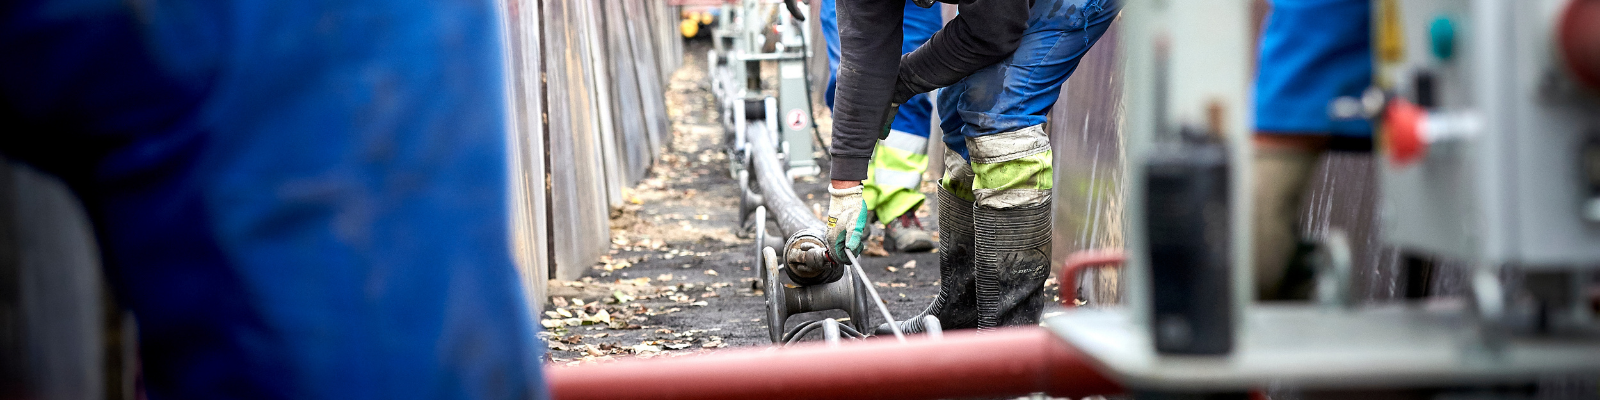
(1007, 362)
(1079, 261)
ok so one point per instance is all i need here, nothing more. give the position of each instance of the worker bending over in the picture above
(892, 189)
(1002, 63)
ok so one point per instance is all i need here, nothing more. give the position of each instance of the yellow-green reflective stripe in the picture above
(1030, 172)
(899, 160)
(896, 202)
(896, 179)
(905, 141)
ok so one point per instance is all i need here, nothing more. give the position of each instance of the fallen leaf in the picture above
(713, 342)
(711, 272)
(874, 247)
(699, 303)
(664, 277)
(891, 269)
(909, 264)
(564, 313)
(599, 317)
(621, 297)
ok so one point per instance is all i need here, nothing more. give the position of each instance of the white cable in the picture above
(894, 325)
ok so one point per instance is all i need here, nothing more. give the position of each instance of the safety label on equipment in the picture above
(797, 119)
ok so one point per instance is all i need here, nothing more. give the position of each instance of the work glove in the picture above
(888, 120)
(847, 223)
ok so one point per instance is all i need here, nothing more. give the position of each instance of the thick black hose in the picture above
(791, 213)
(794, 10)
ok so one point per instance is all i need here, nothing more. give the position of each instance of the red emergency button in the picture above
(1579, 39)
(1403, 137)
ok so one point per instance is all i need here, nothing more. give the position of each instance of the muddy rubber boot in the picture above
(956, 305)
(1012, 263)
(1011, 221)
(907, 235)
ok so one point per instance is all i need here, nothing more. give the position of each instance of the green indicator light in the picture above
(1442, 38)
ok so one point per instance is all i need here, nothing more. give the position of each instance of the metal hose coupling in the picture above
(805, 258)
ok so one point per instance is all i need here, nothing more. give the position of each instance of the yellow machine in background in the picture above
(695, 20)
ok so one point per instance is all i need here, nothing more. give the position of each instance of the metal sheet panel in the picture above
(601, 103)
(651, 90)
(658, 36)
(1085, 130)
(577, 195)
(638, 145)
(529, 225)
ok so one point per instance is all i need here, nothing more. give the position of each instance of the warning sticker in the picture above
(796, 119)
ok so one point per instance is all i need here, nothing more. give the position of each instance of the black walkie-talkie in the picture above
(1188, 231)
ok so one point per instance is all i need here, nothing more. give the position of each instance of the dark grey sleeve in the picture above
(870, 32)
(985, 32)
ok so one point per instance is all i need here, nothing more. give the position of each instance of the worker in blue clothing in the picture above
(1312, 51)
(893, 187)
(1001, 64)
(295, 199)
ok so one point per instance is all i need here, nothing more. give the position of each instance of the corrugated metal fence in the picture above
(586, 82)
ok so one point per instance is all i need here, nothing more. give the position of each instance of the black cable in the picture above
(794, 10)
(805, 54)
(800, 331)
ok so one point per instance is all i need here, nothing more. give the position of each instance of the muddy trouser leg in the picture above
(1281, 176)
(995, 117)
(1011, 222)
(956, 304)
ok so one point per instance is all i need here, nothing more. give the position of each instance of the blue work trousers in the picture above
(1017, 92)
(914, 116)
